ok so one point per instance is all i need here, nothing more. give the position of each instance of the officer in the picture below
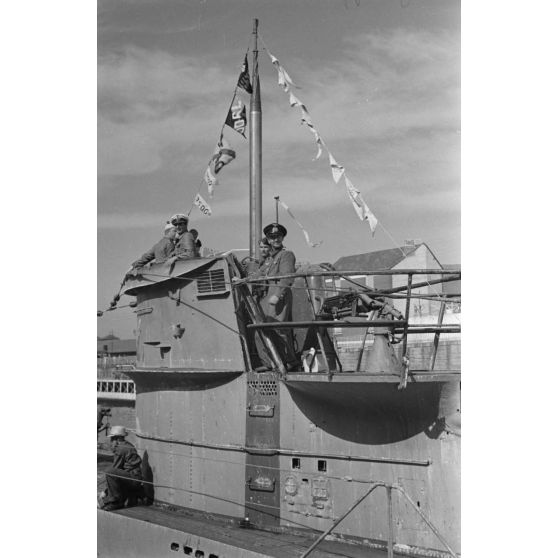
(184, 244)
(277, 302)
(161, 251)
(126, 463)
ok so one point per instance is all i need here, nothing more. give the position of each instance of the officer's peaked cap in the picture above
(179, 218)
(275, 228)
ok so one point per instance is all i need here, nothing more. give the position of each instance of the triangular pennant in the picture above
(223, 155)
(244, 78)
(337, 170)
(372, 221)
(210, 180)
(319, 142)
(274, 60)
(293, 101)
(355, 196)
(284, 79)
(306, 235)
(236, 118)
(360, 207)
(202, 205)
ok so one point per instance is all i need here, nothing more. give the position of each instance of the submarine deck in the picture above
(231, 539)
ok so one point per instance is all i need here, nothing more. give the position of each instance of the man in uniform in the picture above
(161, 251)
(184, 246)
(127, 464)
(277, 300)
(197, 242)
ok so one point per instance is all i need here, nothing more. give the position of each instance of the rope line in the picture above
(267, 467)
(395, 243)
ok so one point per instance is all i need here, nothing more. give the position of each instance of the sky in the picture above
(380, 79)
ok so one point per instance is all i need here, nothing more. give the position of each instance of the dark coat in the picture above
(127, 459)
(185, 246)
(158, 254)
(281, 263)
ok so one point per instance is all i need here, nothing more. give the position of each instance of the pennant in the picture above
(294, 101)
(210, 180)
(202, 205)
(319, 142)
(236, 118)
(305, 117)
(244, 78)
(336, 169)
(306, 235)
(284, 79)
(356, 198)
(223, 155)
(360, 207)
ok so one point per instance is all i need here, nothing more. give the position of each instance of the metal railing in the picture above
(390, 542)
(116, 389)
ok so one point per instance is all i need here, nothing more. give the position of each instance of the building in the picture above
(414, 255)
(115, 355)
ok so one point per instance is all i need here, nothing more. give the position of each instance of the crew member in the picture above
(126, 463)
(184, 246)
(277, 300)
(255, 268)
(197, 242)
(161, 251)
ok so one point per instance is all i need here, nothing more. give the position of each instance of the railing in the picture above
(366, 308)
(390, 542)
(116, 389)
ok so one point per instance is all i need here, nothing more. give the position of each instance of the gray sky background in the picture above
(381, 80)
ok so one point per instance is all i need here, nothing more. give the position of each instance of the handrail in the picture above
(340, 272)
(390, 542)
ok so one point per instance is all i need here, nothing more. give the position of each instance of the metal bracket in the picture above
(261, 410)
(261, 484)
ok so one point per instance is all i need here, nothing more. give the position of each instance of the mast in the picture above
(255, 132)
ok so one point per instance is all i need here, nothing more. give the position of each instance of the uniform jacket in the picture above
(185, 246)
(159, 253)
(281, 263)
(126, 458)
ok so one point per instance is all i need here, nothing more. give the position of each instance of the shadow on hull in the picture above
(372, 414)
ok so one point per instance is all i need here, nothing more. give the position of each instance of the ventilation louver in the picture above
(212, 282)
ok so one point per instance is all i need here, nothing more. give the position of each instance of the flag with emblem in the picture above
(236, 118)
(223, 155)
(244, 78)
(210, 180)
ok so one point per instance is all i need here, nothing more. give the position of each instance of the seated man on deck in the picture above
(124, 477)
(161, 251)
(276, 297)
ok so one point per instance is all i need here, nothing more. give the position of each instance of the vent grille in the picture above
(211, 282)
(264, 387)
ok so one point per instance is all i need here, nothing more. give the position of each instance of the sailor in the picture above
(277, 299)
(126, 463)
(161, 251)
(184, 244)
(197, 242)
(257, 267)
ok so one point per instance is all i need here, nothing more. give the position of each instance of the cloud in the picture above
(388, 102)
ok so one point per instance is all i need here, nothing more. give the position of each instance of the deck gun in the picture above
(357, 304)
